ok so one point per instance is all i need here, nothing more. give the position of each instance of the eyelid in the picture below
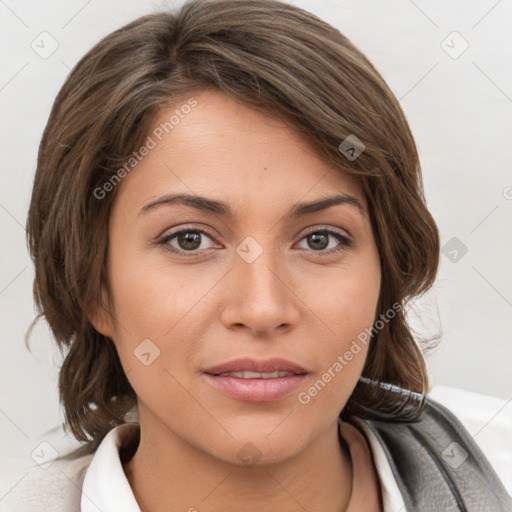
(329, 228)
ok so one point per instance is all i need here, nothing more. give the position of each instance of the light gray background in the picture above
(460, 111)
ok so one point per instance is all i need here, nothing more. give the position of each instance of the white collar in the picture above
(105, 485)
(392, 498)
(106, 488)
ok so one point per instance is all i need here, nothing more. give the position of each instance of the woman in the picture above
(227, 222)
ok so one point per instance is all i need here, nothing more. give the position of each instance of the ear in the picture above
(100, 316)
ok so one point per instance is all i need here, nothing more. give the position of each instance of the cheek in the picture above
(342, 358)
(347, 301)
(347, 307)
(151, 295)
(160, 318)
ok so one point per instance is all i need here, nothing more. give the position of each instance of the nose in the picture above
(260, 297)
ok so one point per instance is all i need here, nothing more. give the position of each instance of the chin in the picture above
(260, 449)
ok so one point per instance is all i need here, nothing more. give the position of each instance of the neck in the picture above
(172, 475)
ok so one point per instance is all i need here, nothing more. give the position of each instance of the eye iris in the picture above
(315, 238)
(187, 237)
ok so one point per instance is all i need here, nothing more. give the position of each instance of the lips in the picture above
(267, 366)
(250, 380)
(257, 375)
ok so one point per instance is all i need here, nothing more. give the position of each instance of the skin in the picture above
(297, 300)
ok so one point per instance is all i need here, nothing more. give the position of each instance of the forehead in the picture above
(221, 149)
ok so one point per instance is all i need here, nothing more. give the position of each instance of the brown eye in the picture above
(319, 241)
(187, 242)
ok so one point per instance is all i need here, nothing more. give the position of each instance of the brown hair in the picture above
(268, 55)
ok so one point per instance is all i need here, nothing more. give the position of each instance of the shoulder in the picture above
(62, 485)
(437, 464)
(57, 488)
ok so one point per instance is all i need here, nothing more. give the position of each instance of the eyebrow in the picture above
(223, 209)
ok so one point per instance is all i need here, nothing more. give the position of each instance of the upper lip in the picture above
(275, 364)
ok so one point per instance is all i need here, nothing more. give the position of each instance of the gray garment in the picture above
(438, 466)
(435, 462)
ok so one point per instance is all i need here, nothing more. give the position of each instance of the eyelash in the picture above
(345, 242)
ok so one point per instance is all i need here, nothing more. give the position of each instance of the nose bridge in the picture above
(260, 297)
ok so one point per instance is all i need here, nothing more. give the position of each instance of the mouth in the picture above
(256, 375)
(256, 381)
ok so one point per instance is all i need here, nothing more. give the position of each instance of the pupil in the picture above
(315, 238)
(189, 238)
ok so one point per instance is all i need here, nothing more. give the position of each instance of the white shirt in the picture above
(75, 486)
(106, 488)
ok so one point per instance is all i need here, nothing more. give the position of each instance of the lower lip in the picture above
(255, 390)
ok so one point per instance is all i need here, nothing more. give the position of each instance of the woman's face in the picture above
(239, 268)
